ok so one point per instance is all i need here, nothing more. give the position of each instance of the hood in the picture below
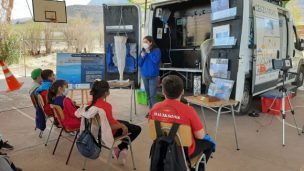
(45, 85)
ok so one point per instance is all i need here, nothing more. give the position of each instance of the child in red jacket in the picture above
(57, 96)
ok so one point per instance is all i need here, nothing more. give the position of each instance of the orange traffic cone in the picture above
(12, 83)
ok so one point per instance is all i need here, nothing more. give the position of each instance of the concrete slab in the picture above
(260, 138)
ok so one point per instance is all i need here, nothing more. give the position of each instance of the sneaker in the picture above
(7, 146)
(123, 156)
(116, 152)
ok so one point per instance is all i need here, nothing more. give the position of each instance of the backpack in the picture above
(165, 153)
(87, 144)
(6, 164)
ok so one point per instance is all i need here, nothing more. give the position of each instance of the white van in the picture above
(248, 33)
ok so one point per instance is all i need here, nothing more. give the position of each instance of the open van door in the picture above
(122, 20)
(268, 45)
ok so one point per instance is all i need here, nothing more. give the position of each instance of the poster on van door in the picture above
(267, 38)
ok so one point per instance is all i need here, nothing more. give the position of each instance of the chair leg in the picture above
(204, 120)
(203, 157)
(235, 129)
(57, 141)
(67, 161)
(131, 150)
(47, 140)
(217, 122)
(40, 134)
(84, 164)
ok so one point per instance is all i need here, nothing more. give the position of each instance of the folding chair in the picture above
(47, 117)
(184, 139)
(34, 101)
(58, 113)
(124, 138)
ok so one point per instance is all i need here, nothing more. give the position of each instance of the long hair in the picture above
(53, 90)
(150, 39)
(99, 89)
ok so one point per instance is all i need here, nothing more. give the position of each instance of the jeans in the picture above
(150, 84)
(134, 131)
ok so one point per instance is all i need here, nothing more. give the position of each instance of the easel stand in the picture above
(84, 95)
(283, 93)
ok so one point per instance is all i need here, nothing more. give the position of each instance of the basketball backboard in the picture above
(49, 11)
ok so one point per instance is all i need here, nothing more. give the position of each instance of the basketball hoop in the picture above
(49, 11)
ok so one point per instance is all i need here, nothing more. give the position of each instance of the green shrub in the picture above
(9, 46)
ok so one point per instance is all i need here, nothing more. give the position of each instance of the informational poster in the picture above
(221, 32)
(221, 88)
(267, 37)
(219, 68)
(79, 69)
(219, 5)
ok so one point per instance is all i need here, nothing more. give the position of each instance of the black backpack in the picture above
(165, 153)
(87, 144)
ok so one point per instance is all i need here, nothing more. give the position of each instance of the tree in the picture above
(7, 5)
(48, 31)
(32, 34)
(80, 33)
(9, 46)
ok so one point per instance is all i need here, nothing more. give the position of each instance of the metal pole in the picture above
(24, 60)
(146, 4)
(284, 116)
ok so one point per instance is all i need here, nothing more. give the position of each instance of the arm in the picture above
(141, 60)
(69, 107)
(196, 125)
(155, 56)
(200, 134)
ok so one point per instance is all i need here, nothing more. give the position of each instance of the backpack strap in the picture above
(158, 129)
(87, 124)
(173, 130)
(99, 135)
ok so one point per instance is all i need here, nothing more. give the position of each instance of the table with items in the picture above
(217, 107)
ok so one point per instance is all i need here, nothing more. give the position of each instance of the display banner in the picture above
(80, 69)
(267, 40)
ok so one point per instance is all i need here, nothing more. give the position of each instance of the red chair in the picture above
(41, 104)
(58, 113)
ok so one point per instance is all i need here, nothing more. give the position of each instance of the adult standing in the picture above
(148, 62)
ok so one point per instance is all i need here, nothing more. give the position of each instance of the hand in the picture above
(143, 54)
(124, 129)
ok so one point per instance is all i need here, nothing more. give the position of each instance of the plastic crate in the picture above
(277, 106)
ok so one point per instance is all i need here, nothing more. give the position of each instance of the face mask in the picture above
(66, 92)
(146, 45)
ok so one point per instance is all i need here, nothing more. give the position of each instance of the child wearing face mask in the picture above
(57, 96)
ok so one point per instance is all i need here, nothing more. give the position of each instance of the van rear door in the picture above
(268, 45)
(123, 20)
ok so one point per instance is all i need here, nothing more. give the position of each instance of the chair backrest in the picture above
(34, 101)
(184, 132)
(40, 100)
(58, 113)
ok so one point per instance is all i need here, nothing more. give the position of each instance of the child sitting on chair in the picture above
(48, 77)
(57, 96)
(100, 90)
